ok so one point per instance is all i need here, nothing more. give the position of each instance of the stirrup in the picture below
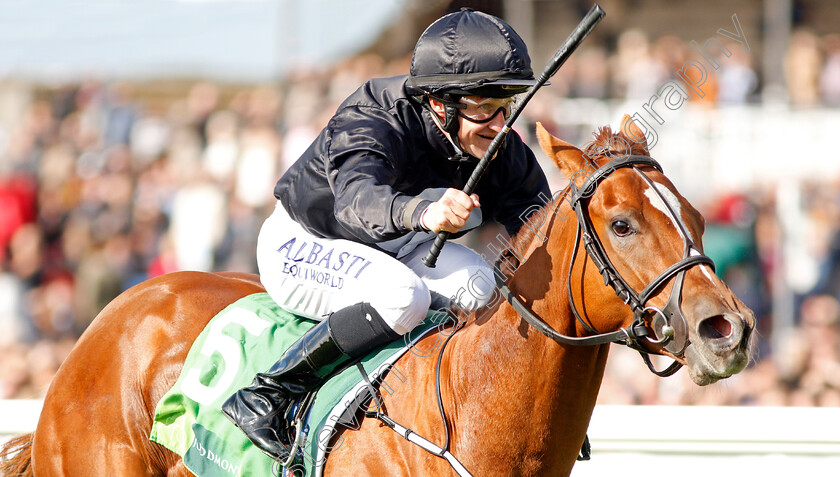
(296, 413)
(298, 425)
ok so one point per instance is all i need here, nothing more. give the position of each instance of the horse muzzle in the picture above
(720, 342)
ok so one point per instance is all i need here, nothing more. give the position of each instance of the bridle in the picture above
(668, 327)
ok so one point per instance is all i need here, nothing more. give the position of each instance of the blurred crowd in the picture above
(637, 67)
(104, 185)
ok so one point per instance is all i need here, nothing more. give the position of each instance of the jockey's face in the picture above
(475, 137)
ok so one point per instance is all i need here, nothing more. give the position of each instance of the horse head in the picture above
(637, 234)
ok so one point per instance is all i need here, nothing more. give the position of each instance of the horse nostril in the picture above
(722, 333)
(715, 327)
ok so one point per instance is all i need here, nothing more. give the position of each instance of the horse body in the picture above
(99, 409)
(517, 403)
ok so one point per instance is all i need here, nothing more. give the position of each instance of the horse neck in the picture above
(501, 362)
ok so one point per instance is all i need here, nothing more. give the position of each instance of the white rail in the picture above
(18, 416)
(715, 430)
(687, 441)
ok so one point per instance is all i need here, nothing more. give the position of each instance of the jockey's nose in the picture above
(498, 122)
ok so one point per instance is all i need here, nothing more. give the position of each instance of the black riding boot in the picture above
(260, 409)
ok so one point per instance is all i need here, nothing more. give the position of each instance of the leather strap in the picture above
(623, 336)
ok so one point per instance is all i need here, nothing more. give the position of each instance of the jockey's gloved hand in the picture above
(450, 212)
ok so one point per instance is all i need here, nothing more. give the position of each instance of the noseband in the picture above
(668, 327)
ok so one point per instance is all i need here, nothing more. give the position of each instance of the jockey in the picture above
(358, 210)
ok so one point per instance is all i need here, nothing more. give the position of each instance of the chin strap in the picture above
(450, 128)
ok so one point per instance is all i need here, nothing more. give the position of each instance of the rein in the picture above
(669, 326)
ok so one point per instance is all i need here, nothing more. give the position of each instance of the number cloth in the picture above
(242, 340)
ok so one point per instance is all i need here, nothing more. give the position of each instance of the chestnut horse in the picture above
(517, 402)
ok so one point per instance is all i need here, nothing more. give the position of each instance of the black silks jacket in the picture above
(360, 178)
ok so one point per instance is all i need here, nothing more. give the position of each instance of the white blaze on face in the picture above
(656, 201)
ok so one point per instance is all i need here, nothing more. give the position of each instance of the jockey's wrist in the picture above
(422, 217)
(413, 212)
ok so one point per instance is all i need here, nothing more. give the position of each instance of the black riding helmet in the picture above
(468, 53)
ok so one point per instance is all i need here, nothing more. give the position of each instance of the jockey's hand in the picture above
(451, 212)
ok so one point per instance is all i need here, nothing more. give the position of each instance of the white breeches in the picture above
(314, 277)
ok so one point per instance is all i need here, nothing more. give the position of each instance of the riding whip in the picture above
(595, 14)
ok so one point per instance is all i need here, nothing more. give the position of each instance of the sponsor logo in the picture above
(215, 458)
(311, 261)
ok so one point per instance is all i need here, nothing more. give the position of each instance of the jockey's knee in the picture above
(478, 290)
(404, 306)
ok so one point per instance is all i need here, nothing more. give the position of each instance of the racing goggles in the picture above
(485, 109)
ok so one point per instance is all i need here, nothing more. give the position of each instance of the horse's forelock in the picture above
(613, 144)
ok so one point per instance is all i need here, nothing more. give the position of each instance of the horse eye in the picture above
(621, 228)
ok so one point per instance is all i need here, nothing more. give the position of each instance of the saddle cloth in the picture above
(245, 338)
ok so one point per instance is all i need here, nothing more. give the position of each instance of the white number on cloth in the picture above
(230, 351)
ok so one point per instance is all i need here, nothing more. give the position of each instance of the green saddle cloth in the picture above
(244, 339)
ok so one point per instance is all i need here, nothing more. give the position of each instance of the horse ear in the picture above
(567, 157)
(631, 131)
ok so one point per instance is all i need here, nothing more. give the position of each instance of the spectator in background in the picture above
(592, 78)
(304, 103)
(811, 358)
(636, 73)
(670, 52)
(736, 77)
(17, 206)
(14, 325)
(120, 115)
(829, 85)
(256, 172)
(222, 150)
(197, 224)
(802, 68)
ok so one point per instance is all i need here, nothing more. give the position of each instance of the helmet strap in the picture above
(450, 127)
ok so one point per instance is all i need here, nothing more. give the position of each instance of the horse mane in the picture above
(606, 143)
